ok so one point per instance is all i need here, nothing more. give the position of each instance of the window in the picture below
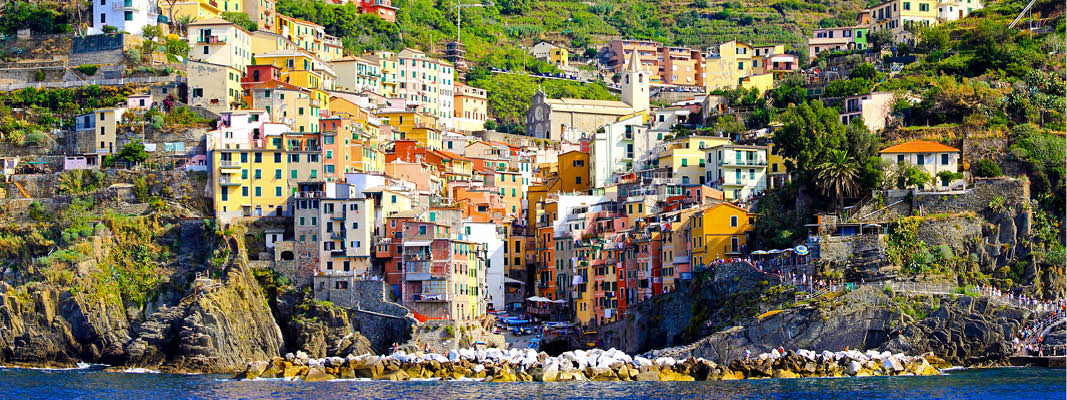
(900, 158)
(907, 5)
(128, 16)
(733, 221)
(278, 191)
(259, 191)
(944, 159)
(920, 159)
(924, 7)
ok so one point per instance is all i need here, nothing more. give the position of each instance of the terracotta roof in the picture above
(920, 147)
(451, 155)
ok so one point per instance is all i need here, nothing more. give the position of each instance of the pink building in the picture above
(426, 85)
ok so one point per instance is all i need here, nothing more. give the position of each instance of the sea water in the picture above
(93, 383)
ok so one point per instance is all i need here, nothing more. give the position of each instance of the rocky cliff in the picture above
(216, 329)
(960, 329)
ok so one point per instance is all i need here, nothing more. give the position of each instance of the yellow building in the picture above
(304, 70)
(221, 42)
(264, 42)
(896, 15)
(740, 64)
(249, 182)
(777, 175)
(761, 82)
(261, 11)
(684, 158)
(199, 9)
(471, 108)
(387, 63)
(558, 56)
(310, 37)
(719, 232)
(573, 172)
(286, 103)
(509, 184)
(366, 158)
(413, 125)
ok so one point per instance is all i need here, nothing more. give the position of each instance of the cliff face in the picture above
(319, 329)
(962, 330)
(43, 325)
(216, 329)
(718, 298)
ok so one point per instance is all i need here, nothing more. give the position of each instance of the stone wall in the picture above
(840, 249)
(381, 321)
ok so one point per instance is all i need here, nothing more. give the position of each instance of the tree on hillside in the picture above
(789, 90)
(880, 39)
(242, 20)
(861, 143)
(809, 131)
(728, 126)
(864, 71)
(837, 176)
(134, 152)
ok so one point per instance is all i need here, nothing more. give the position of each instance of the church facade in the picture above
(566, 118)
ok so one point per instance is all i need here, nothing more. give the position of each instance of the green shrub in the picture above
(987, 168)
(88, 69)
(39, 75)
(449, 331)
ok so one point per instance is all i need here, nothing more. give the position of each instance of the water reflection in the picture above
(1001, 383)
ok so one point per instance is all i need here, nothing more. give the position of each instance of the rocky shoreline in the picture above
(495, 365)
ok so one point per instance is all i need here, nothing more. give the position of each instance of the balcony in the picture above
(211, 40)
(315, 102)
(127, 5)
(743, 163)
(227, 164)
(308, 195)
(337, 216)
(226, 181)
(338, 253)
(337, 235)
(431, 297)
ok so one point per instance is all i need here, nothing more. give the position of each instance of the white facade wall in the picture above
(495, 271)
(126, 15)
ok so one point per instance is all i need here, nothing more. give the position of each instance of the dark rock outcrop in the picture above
(319, 329)
(962, 330)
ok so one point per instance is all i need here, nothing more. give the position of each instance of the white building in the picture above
(931, 157)
(488, 236)
(333, 228)
(613, 148)
(126, 15)
(218, 41)
(740, 172)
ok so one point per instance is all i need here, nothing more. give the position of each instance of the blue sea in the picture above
(995, 383)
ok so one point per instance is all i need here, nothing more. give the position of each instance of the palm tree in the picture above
(837, 176)
(182, 24)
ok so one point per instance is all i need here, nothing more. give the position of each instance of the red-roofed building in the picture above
(931, 157)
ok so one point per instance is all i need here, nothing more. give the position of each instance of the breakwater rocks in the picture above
(494, 365)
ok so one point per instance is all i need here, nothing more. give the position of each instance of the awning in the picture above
(417, 243)
(539, 299)
(510, 280)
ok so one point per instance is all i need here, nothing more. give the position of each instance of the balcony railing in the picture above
(226, 181)
(229, 164)
(211, 40)
(308, 195)
(746, 163)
